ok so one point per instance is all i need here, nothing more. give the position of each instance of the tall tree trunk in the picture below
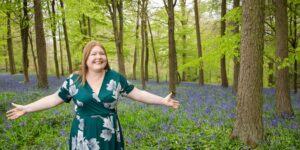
(236, 68)
(154, 53)
(172, 48)
(53, 30)
(143, 26)
(40, 45)
(184, 20)
(61, 53)
(199, 47)
(283, 103)
(270, 76)
(66, 37)
(223, 57)
(294, 42)
(116, 11)
(12, 66)
(33, 55)
(136, 46)
(147, 47)
(24, 25)
(89, 26)
(248, 126)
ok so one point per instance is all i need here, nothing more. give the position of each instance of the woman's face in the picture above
(97, 59)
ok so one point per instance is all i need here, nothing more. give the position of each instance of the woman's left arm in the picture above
(149, 98)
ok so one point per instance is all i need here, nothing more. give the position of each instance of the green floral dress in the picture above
(96, 124)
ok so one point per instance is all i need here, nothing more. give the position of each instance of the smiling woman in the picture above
(95, 90)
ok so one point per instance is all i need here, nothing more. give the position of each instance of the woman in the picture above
(95, 90)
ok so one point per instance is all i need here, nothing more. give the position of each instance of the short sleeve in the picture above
(67, 90)
(127, 86)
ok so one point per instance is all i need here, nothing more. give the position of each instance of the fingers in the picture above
(12, 110)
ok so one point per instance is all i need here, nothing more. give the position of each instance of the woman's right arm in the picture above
(42, 104)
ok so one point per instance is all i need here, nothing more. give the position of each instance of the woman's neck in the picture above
(95, 75)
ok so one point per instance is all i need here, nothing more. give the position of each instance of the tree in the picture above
(40, 45)
(154, 53)
(184, 21)
(236, 3)
(53, 31)
(12, 66)
(169, 6)
(223, 58)
(143, 26)
(66, 37)
(199, 47)
(24, 26)
(115, 8)
(248, 126)
(283, 103)
(136, 46)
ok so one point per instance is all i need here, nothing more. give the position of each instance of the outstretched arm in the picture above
(149, 98)
(42, 104)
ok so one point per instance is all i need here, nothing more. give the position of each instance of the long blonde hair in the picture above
(86, 52)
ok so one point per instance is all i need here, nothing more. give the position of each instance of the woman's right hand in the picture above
(16, 112)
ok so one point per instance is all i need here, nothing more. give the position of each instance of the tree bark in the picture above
(33, 55)
(270, 76)
(116, 11)
(236, 68)
(184, 20)
(147, 47)
(143, 26)
(11, 58)
(40, 45)
(66, 37)
(199, 46)
(24, 25)
(223, 57)
(172, 48)
(53, 31)
(61, 53)
(154, 53)
(136, 46)
(283, 103)
(248, 126)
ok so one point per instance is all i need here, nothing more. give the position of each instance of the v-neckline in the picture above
(101, 86)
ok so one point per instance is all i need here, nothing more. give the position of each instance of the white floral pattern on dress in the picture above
(72, 89)
(106, 135)
(115, 88)
(111, 105)
(96, 97)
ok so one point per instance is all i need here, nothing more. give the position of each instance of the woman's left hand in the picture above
(171, 102)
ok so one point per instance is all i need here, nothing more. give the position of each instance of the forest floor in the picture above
(204, 120)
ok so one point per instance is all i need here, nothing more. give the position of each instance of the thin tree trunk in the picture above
(53, 30)
(271, 77)
(61, 53)
(143, 26)
(199, 47)
(136, 46)
(40, 45)
(24, 25)
(283, 101)
(33, 55)
(89, 27)
(223, 57)
(184, 20)
(172, 48)
(236, 68)
(248, 126)
(154, 53)
(66, 37)
(147, 47)
(10, 49)
(116, 10)
(294, 42)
